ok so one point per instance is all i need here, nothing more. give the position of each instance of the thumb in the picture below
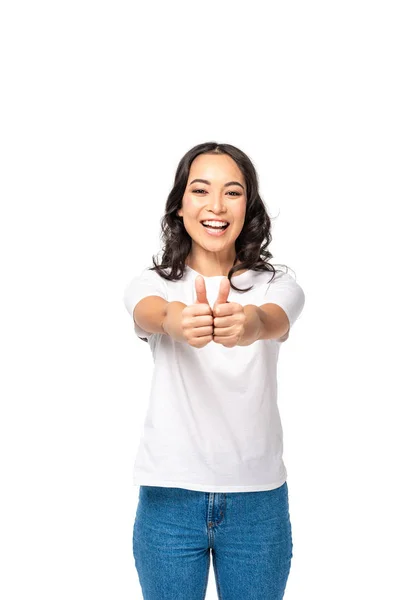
(201, 294)
(223, 293)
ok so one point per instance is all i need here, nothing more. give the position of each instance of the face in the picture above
(221, 196)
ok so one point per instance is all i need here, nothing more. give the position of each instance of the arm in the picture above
(156, 315)
(274, 322)
(266, 322)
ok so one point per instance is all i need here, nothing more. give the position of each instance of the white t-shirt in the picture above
(212, 421)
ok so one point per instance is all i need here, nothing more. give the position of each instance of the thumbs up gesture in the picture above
(197, 318)
(229, 318)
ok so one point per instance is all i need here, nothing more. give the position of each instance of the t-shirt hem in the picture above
(199, 487)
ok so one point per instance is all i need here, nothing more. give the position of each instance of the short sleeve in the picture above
(284, 291)
(148, 283)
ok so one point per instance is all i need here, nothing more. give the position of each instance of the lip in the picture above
(217, 220)
(216, 232)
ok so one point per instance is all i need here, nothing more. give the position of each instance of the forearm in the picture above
(172, 322)
(252, 325)
(263, 324)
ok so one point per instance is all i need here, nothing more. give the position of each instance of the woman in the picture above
(209, 464)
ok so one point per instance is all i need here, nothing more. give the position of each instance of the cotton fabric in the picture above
(212, 421)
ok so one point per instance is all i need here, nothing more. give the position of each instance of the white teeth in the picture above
(215, 223)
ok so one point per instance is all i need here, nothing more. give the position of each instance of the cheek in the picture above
(191, 209)
(240, 215)
(191, 223)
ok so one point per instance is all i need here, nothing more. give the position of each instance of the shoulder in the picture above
(145, 283)
(284, 289)
(282, 279)
(271, 279)
(150, 276)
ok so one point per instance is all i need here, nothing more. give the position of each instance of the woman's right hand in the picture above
(197, 319)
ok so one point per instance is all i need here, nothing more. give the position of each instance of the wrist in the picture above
(252, 325)
(171, 324)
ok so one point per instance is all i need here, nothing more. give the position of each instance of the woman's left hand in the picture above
(229, 318)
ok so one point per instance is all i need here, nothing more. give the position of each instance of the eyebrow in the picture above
(209, 183)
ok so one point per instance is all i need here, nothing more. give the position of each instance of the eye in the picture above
(230, 192)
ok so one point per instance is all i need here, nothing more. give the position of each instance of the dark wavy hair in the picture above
(251, 244)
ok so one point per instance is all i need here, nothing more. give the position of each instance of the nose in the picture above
(217, 203)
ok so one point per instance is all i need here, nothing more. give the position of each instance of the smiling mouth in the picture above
(216, 228)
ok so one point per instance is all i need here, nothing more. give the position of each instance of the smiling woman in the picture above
(215, 313)
(219, 207)
(214, 183)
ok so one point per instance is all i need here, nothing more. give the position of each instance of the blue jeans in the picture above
(249, 535)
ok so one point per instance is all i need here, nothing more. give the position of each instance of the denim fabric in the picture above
(248, 535)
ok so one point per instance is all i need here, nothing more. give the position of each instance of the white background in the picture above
(99, 102)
